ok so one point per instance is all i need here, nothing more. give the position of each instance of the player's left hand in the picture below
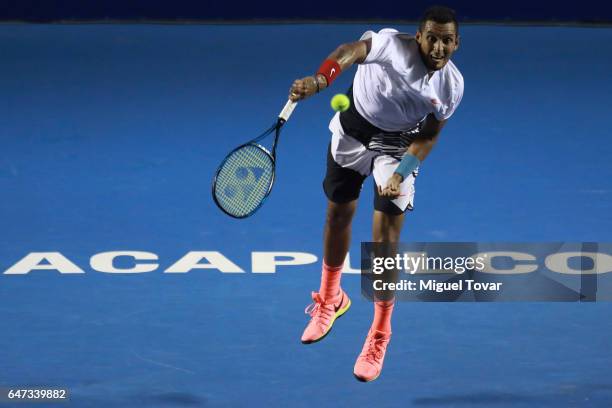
(392, 189)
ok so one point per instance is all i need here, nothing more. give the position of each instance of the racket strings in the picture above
(244, 180)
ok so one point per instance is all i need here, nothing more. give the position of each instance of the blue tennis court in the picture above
(110, 136)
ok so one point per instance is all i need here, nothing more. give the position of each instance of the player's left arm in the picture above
(428, 136)
(415, 154)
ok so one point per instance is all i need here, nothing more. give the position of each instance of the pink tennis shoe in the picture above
(370, 362)
(323, 313)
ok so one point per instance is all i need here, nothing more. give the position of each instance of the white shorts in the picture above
(350, 162)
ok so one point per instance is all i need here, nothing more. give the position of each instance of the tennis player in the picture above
(404, 91)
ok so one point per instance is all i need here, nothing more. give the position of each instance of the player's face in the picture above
(437, 42)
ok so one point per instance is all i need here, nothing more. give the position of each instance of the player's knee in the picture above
(339, 216)
(338, 219)
(387, 228)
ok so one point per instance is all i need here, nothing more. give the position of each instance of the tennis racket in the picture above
(244, 179)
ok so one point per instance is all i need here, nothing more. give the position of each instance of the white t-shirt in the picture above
(392, 88)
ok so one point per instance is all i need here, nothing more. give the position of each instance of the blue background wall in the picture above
(468, 10)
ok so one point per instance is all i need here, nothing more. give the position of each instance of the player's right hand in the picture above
(303, 88)
(392, 189)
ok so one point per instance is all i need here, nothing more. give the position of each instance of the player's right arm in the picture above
(342, 57)
(415, 154)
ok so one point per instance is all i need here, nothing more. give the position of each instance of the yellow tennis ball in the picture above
(340, 102)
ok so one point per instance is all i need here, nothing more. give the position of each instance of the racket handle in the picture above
(287, 110)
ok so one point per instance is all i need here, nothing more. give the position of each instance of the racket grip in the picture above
(287, 110)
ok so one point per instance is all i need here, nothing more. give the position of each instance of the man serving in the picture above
(405, 89)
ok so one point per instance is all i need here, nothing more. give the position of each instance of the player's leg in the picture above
(336, 243)
(342, 186)
(386, 228)
(337, 231)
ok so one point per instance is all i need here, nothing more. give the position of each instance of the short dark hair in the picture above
(440, 15)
